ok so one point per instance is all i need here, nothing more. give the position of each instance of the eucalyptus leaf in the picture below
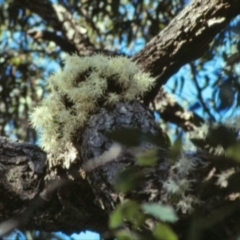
(159, 211)
(164, 232)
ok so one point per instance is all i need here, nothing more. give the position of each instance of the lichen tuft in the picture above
(80, 89)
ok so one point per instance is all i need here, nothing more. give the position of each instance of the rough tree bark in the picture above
(32, 199)
(186, 38)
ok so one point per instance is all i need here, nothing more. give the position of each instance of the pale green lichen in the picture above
(223, 177)
(187, 203)
(84, 84)
(177, 188)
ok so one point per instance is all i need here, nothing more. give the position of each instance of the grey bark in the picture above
(185, 39)
(134, 120)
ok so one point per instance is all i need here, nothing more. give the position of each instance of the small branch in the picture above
(51, 36)
(171, 111)
(199, 93)
(62, 20)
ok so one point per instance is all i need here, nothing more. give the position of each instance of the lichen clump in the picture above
(83, 86)
(177, 189)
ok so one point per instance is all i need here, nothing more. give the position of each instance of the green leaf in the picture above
(164, 232)
(175, 150)
(133, 137)
(148, 158)
(127, 136)
(132, 213)
(126, 235)
(128, 211)
(159, 211)
(129, 179)
(234, 152)
(116, 218)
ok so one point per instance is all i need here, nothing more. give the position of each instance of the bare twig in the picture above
(199, 93)
(171, 111)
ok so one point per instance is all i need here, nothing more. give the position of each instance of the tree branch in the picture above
(171, 111)
(52, 36)
(199, 93)
(61, 20)
(32, 200)
(185, 39)
(68, 44)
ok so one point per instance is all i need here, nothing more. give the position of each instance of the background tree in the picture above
(35, 39)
